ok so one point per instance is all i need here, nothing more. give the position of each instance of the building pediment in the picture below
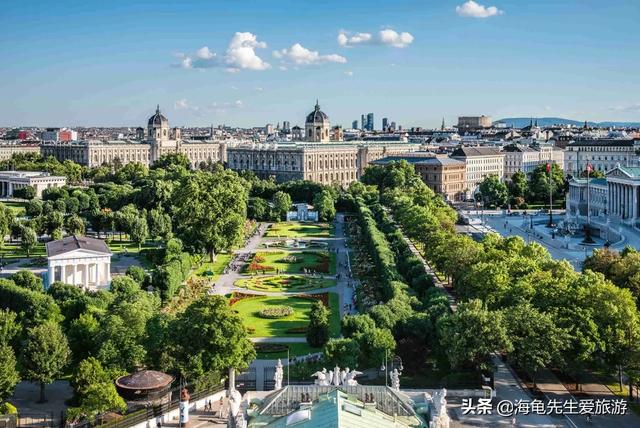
(79, 254)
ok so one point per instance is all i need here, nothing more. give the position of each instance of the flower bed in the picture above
(270, 348)
(272, 312)
(323, 297)
(236, 297)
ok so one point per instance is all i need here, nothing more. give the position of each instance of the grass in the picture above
(295, 350)
(17, 207)
(299, 230)
(129, 247)
(269, 261)
(213, 270)
(284, 283)
(14, 251)
(262, 327)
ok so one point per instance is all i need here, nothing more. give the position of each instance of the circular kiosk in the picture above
(145, 386)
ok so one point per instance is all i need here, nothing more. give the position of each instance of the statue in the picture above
(343, 376)
(395, 379)
(438, 409)
(278, 375)
(336, 376)
(235, 399)
(321, 377)
(351, 378)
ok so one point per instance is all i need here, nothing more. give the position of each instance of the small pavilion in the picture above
(81, 261)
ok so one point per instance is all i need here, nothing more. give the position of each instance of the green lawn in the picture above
(263, 327)
(128, 247)
(295, 350)
(213, 270)
(17, 207)
(299, 230)
(14, 251)
(284, 283)
(293, 262)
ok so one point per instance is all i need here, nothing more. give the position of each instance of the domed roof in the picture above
(144, 380)
(158, 118)
(317, 116)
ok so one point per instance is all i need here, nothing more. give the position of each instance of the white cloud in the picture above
(299, 55)
(632, 108)
(349, 73)
(258, 89)
(386, 37)
(211, 108)
(471, 9)
(397, 40)
(240, 55)
(235, 88)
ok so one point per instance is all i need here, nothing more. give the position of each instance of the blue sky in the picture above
(103, 63)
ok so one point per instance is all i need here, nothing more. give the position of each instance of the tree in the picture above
(471, 334)
(28, 239)
(494, 192)
(539, 183)
(209, 337)
(172, 159)
(159, 223)
(210, 211)
(95, 390)
(318, 328)
(519, 186)
(45, 354)
(344, 352)
(536, 339)
(281, 202)
(9, 376)
(9, 326)
(138, 274)
(375, 346)
(27, 192)
(325, 205)
(75, 225)
(258, 208)
(139, 231)
(27, 279)
(33, 208)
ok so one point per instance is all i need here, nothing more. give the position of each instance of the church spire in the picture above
(158, 109)
(442, 126)
(317, 105)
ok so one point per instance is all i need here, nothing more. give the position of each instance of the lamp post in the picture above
(550, 197)
(396, 362)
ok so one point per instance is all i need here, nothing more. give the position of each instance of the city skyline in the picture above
(204, 63)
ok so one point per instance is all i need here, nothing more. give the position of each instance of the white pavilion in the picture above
(81, 261)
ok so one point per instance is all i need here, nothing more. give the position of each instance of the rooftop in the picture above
(420, 160)
(599, 142)
(72, 243)
(475, 151)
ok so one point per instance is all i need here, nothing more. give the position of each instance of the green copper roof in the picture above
(336, 409)
(633, 171)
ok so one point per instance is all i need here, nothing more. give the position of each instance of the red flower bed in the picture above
(323, 265)
(236, 297)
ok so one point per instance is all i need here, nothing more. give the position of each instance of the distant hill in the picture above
(521, 122)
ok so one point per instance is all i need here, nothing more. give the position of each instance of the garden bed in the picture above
(264, 262)
(284, 283)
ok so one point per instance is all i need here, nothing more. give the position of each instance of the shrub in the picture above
(8, 409)
(275, 312)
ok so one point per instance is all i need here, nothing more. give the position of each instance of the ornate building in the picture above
(317, 126)
(159, 140)
(318, 160)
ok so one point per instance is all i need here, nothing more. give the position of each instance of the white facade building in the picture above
(602, 154)
(523, 158)
(13, 180)
(80, 261)
(481, 162)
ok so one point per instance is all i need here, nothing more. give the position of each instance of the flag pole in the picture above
(550, 197)
(588, 195)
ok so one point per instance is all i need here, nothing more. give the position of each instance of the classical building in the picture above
(317, 125)
(480, 162)
(12, 180)
(518, 157)
(614, 198)
(602, 154)
(319, 160)
(442, 174)
(474, 123)
(79, 260)
(158, 140)
(8, 149)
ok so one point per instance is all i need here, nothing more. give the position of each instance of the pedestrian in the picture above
(513, 421)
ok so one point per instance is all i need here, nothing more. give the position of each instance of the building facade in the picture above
(317, 126)
(523, 158)
(80, 261)
(480, 162)
(13, 180)
(7, 150)
(474, 122)
(602, 154)
(443, 175)
(159, 140)
(615, 198)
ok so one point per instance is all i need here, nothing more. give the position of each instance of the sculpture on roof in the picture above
(350, 379)
(336, 376)
(321, 377)
(395, 379)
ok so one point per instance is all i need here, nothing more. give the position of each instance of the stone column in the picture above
(635, 202)
(75, 273)
(51, 274)
(86, 275)
(108, 272)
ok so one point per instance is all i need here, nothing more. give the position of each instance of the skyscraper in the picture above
(385, 123)
(354, 124)
(363, 122)
(370, 122)
(286, 126)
